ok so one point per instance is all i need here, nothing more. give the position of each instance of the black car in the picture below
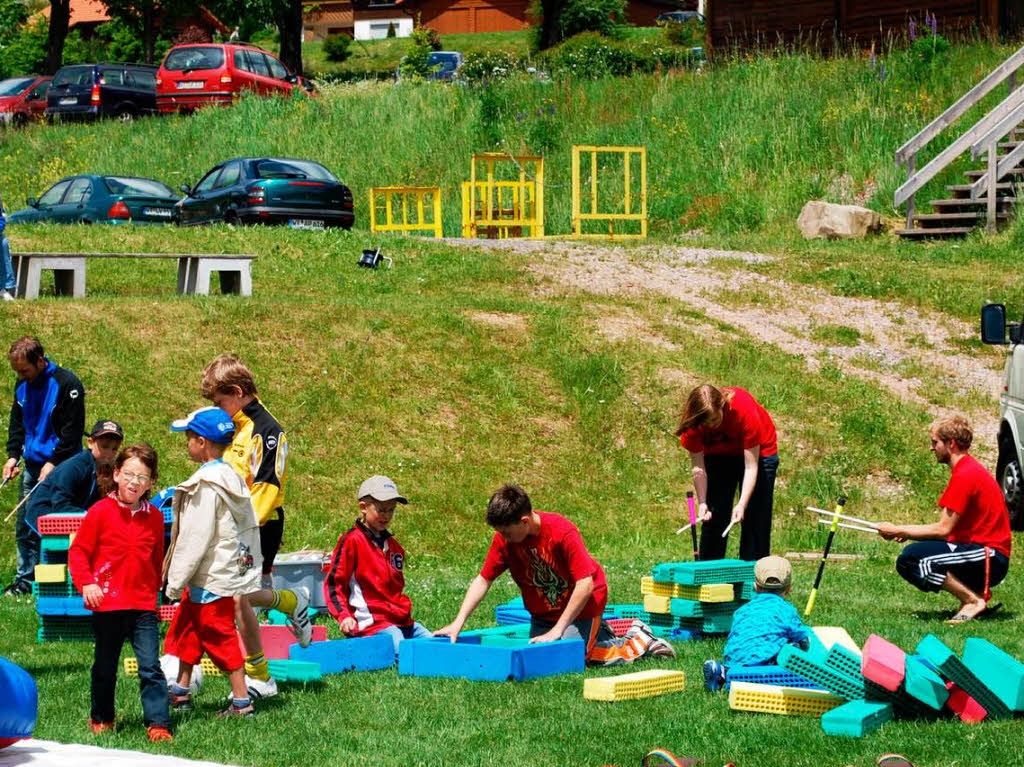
(268, 190)
(124, 91)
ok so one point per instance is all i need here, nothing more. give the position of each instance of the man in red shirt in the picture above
(968, 550)
(563, 587)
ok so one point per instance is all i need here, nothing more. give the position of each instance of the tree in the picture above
(287, 16)
(562, 19)
(60, 16)
(142, 17)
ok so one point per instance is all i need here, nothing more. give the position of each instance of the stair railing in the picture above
(1011, 106)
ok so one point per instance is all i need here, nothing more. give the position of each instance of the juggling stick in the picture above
(691, 507)
(20, 504)
(828, 547)
(843, 517)
(725, 532)
(850, 527)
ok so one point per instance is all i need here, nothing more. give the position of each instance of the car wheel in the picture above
(19, 120)
(1012, 483)
(125, 114)
(231, 218)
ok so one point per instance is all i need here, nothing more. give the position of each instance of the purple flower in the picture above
(872, 61)
(881, 73)
(551, 109)
(912, 27)
(934, 24)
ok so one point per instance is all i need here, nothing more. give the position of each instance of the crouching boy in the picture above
(214, 556)
(563, 587)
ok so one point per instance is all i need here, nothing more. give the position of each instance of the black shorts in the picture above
(271, 533)
(926, 563)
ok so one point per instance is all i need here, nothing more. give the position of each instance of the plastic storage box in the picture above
(302, 569)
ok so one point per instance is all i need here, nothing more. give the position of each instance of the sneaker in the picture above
(234, 710)
(101, 727)
(158, 733)
(17, 589)
(659, 648)
(302, 627)
(181, 702)
(6, 295)
(714, 675)
(259, 688)
(641, 628)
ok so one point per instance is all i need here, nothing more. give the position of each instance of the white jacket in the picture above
(215, 540)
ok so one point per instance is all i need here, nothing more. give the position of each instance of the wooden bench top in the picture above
(235, 256)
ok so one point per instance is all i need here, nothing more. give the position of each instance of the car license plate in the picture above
(190, 85)
(69, 100)
(306, 223)
(157, 212)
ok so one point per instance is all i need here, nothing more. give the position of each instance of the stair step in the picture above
(1001, 202)
(951, 231)
(976, 174)
(961, 191)
(962, 216)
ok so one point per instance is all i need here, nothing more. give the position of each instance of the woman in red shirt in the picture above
(731, 439)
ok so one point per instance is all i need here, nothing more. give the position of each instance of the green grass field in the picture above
(463, 368)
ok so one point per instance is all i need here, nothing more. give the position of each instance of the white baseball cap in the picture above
(380, 488)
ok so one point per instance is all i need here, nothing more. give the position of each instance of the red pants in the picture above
(208, 628)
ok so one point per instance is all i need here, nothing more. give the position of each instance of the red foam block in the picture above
(883, 663)
(963, 705)
(277, 639)
(619, 625)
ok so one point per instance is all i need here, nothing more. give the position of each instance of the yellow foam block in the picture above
(51, 573)
(716, 592)
(131, 667)
(657, 604)
(835, 635)
(639, 684)
(775, 699)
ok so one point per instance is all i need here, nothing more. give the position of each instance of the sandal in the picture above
(893, 760)
(990, 610)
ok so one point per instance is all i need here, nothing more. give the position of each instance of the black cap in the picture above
(105, 428)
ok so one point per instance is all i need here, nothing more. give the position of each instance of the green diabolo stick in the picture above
(828, 547)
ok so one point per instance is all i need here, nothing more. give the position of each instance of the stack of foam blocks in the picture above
(684, 600)
(861, 691)
(63, 616)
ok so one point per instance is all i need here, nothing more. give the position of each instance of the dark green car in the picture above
(301, 194)
(101, 200)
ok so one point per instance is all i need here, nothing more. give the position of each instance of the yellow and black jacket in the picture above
(259, 453)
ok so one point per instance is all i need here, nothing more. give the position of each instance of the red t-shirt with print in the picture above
(546, 567)
(975, 495)
(745, 424)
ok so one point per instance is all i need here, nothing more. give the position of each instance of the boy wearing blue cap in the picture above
(214, 556)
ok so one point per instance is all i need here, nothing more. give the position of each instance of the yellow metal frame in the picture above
(502, 207)
(595, 213)
(419, 208)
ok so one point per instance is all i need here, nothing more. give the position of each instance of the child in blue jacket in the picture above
(7, 281)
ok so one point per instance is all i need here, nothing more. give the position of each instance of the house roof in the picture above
(95, 12)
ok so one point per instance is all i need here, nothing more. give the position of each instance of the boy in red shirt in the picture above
(115, 562)
(563, 587)
(364, 586)
(968, 550)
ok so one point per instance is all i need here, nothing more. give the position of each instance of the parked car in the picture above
(194, 76)
(101, 200)
(444, 66)
(22, 99)
(677, 17)
(124, 91)
(268, 190)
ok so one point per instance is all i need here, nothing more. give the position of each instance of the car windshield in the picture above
(15, 85)
(73, 76)
(145, 187)
(291, 169)
(189, 59)
(445, 62)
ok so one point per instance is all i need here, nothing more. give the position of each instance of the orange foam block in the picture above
(883, 663)
(277, 639)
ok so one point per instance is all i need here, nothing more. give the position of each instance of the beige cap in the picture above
(380, 488)
(773, 573)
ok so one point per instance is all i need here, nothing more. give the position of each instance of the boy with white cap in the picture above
(366, 580)
(763, 626)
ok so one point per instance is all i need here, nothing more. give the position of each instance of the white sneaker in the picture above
(259, 688)
(641, 628)
(302, 627)
(6, 295)
(660, 648)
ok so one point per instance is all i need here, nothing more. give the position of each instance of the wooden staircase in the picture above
(989, 196)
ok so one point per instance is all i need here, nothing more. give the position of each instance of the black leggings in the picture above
(725, 477)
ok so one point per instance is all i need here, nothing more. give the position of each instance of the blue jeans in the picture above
(7, 277)
(397, 633)
(26, 539)
(142, 629)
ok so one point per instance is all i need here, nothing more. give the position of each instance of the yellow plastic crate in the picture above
(131, 667)
(718, 592)
(639, 684)
(831, 635)
(51, 573)
(775, 699)
(657, 604)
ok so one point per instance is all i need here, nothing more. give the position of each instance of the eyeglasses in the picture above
(140, 478)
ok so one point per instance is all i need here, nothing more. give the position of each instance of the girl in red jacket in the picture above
(116, 562)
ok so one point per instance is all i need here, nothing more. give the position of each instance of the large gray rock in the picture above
(831, 221)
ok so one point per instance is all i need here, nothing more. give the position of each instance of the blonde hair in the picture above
(955, 429)
(224, 373)
(704, 404)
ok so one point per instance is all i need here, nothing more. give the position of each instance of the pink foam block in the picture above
(883, 663)
(963, 705)
(277, 639)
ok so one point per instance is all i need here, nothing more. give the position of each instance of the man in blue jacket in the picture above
(7, 281)
(46, 426)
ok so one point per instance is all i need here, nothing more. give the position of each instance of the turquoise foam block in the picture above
(439, 657)
(997, 670)
(339, 655)
(691, 608)
(814, 668)
(704, 572)
(294, 670)
(496, 640)
(953, 669)
(768, 674)
(54, 543)
(515, 630)
(625, 611)
(856, 718)
(923, 684)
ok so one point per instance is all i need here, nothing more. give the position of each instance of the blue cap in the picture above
(211, 423)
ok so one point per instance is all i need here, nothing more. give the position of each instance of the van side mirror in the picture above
(32, 202)
(186, 189)
(993, 324)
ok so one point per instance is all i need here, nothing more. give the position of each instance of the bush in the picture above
(590, 55)
(606, 17)
(336, 47)
(391, 30)
(433, 38)
(929, 48)
(25, 52)
(416, 63)
(478, 66)
(688, 34)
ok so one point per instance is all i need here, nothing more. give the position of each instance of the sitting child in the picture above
(763, 626)
(365, 583)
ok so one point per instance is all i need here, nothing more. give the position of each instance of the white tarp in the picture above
(46, 753)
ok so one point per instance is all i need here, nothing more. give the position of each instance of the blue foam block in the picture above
(61, 606)
(769, 674)
(439, 657)
(339, 655)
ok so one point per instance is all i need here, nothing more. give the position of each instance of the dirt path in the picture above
(915, 354)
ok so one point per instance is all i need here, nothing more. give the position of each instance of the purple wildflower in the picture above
(551, 109)
(912, 28)
(872, 60)
(934, 24)
(881, 73)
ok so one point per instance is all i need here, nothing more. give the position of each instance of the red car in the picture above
(194, 76)
(22, 99)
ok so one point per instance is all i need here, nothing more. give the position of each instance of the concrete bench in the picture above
(195, 271)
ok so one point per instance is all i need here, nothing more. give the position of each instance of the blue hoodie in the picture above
(47, 417)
